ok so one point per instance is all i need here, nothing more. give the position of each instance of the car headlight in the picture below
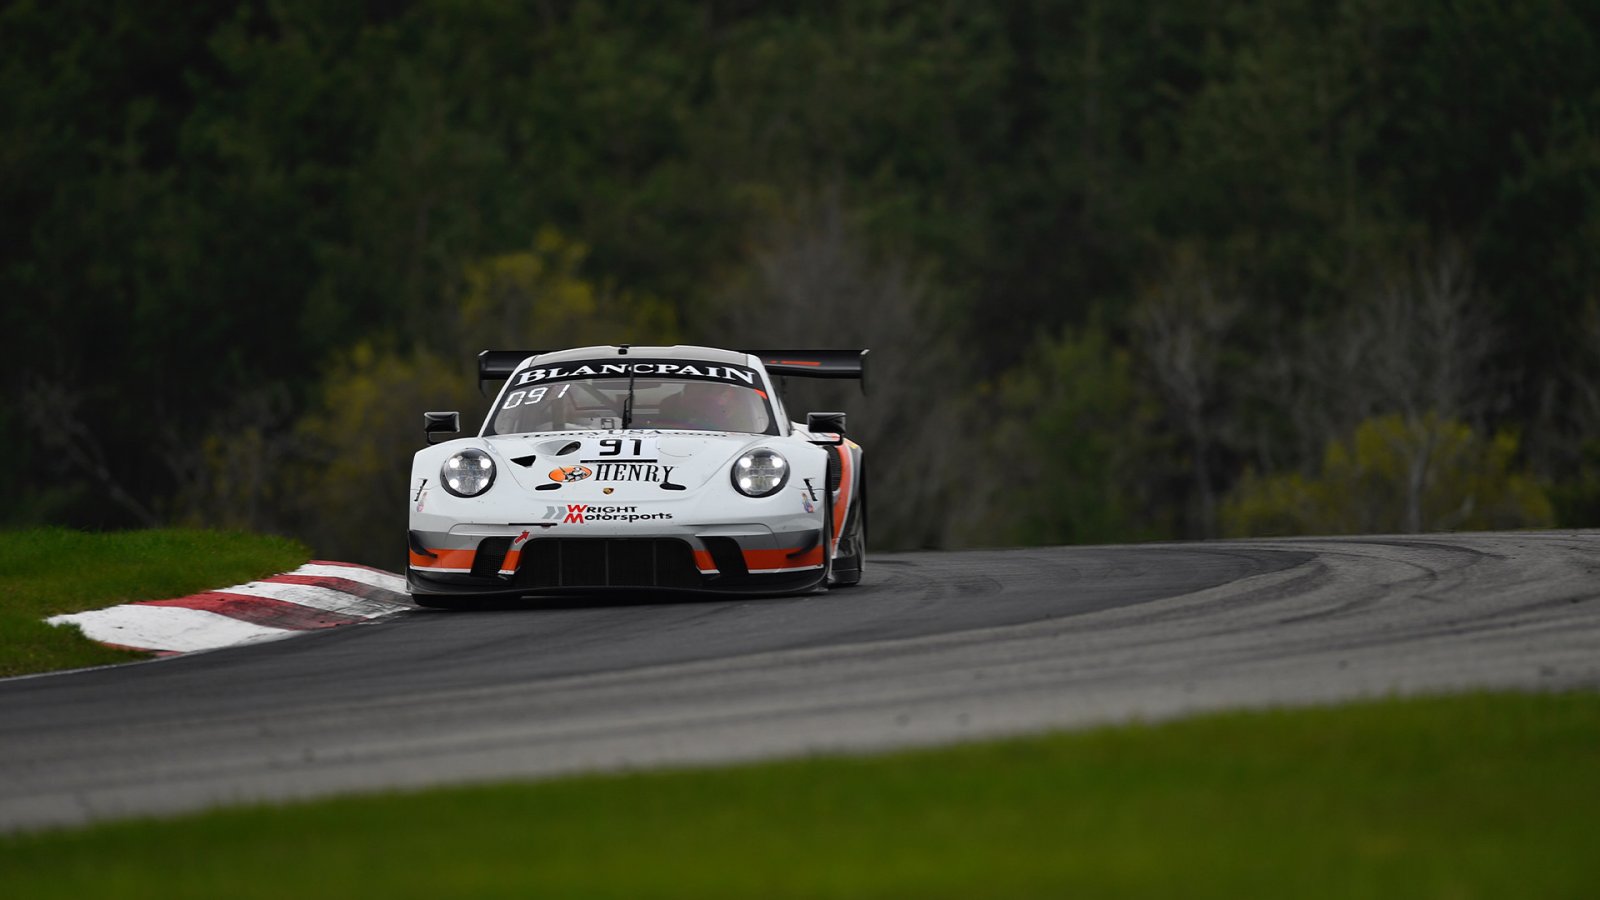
(760, 473)
(468, 473)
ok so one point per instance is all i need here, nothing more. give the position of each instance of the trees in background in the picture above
(811, 282)
(1182, 325)
(336, 472)
(1110, 257)
(1396, 475)
(1389, 403)
(1069, 451)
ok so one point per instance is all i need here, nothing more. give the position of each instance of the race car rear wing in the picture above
(817, 363)
(497, 365)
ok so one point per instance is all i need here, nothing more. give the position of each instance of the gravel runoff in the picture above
(934, 648)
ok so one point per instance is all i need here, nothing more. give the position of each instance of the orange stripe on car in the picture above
(756, 560)
(512, 558)
(841, 503)
(443, 559)
(704, 562)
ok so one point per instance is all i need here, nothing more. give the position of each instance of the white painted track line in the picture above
(356, 573)
(321, 598)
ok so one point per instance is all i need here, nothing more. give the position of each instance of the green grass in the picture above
(1475, 796)
(48, 571)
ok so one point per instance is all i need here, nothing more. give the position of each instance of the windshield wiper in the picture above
(627, 405)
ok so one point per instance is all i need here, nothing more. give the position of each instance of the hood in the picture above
(634, 465)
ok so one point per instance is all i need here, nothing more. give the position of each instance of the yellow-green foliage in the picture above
(537, 299)
(357, 444)
(350, 479)
(1395, 474)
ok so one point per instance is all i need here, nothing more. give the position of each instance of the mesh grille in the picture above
(725, 552)
(607, 562)
(491, 556)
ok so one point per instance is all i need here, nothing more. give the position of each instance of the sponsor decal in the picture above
(421, 498)
(806, 502)
(607, 491)
(645, 368)
(631, 471)
(585, 513)
(519, 539)
(569, 474)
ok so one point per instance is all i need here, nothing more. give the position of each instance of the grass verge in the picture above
(1461, 797)
(48, 571)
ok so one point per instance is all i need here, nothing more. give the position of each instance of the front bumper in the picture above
(748, 560)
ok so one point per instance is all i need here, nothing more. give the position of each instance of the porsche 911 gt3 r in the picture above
(639, 468)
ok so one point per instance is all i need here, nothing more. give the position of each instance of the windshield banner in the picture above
(640, 368)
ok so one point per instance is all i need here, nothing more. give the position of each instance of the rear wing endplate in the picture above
(497, 365)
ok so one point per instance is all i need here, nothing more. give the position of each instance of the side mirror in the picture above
(826, 423)
(440, 423)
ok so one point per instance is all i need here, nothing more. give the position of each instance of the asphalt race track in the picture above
(931, 647)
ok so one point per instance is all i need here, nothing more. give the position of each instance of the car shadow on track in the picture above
(606, 600)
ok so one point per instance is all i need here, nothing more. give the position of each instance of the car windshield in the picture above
(571, 398)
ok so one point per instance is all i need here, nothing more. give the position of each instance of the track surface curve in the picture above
(931, 647)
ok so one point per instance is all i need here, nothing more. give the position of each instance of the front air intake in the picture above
(490, 557)
(553, 563)
(727, 556)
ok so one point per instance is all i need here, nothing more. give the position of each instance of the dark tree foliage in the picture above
(206, 205)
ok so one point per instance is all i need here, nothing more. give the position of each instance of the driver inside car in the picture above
(713, 407)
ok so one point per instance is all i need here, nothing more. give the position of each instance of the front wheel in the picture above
(851, 560)
(848, 567)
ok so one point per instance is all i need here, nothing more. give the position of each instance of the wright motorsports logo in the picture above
(587, 513)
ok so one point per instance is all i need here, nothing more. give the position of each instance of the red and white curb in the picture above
(319, 594)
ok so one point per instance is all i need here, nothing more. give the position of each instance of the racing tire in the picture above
(855, 558)
(827, 543)
(850, 574)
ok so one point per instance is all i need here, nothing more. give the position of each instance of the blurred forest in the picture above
(1128, 270)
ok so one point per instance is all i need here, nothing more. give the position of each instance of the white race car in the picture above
(639, 468)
